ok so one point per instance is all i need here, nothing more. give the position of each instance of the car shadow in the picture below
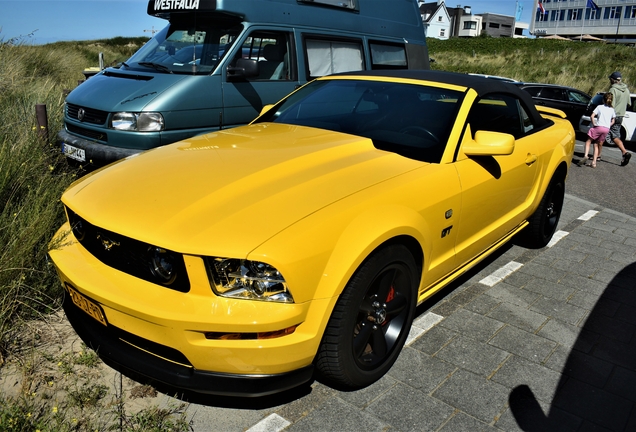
(597, 388)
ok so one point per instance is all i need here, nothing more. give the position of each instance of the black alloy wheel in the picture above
(371, 320)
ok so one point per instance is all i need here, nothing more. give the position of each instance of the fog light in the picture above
(162, 265)
(79, 231)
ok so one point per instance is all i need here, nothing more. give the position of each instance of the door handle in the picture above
(530, 159)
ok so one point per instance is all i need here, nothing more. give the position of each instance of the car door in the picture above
(554, 97)
(578, 104)
(497, 191)
(244, 97)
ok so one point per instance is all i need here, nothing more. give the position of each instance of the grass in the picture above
(582, 65)
(33, 175)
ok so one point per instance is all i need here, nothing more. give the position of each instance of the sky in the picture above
(46, 21)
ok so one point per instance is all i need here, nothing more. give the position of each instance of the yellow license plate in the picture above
(88, 306)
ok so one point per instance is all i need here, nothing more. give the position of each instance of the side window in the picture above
(532, 91)
(388, 56)
(272, 51)
(326, 57)
(552, 93)
(499, 113)
(574, 96)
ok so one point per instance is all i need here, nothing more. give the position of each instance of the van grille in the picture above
(90, 115)
(94, 135)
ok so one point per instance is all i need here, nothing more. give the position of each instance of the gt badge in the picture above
(446, 231)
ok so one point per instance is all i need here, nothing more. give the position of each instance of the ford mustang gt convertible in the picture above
(248, 261)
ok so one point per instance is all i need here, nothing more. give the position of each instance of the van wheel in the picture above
(371, 320)
(543, 222)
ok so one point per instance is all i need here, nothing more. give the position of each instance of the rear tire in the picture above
(371, 320)
(543, 222)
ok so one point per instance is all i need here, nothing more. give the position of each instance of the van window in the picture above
(325, 57)
(387, 56)
(185, 48)
(272, 51)
(348, 4)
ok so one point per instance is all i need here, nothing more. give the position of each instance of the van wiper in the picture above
(156, 66)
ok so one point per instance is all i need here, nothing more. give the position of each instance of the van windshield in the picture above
(184, 47)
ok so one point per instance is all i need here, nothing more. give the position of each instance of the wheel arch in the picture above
(357, 244)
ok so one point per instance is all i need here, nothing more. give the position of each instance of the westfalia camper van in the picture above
(218, 62)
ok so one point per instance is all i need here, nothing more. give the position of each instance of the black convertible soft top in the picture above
(482, 85)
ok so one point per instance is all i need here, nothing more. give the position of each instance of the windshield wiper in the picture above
(156, 66)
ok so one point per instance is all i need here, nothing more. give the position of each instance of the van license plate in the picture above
(88, 306)
(73, 152)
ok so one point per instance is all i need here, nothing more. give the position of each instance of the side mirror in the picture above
(490, 144)
(243, 68)
(265, 109)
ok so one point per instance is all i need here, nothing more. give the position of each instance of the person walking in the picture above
(621, 95)
(603, 119)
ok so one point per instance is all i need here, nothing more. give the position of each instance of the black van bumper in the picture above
(130, 355)
(94, 152)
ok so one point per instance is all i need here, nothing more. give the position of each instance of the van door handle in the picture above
(530, 159)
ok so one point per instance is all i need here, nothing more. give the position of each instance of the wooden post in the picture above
(43, 122)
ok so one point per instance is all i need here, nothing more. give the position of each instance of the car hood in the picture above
(228, 192)
(115, 90)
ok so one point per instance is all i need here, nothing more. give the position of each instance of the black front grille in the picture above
(88, 115)
(94, 135)
(128, 255)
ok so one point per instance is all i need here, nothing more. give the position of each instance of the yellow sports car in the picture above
(245, 261)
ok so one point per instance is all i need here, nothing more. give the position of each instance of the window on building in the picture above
(630, 12)
(470, 25)
(493, 25)
(613, 12)
(575, 14)
(442, 32)
(440, 18)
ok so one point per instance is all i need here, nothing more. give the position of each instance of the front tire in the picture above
(371, 320)
(543, 222)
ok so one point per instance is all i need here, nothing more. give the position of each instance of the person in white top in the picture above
(603, 118)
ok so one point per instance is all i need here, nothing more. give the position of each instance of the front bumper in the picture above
(162, 334)
(584, 124)
(94, 152)
(128, 354)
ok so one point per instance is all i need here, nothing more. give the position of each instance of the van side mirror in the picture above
(246, 68)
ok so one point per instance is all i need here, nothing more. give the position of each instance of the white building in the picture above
(612, 20)
(442, 22)
(437, 21)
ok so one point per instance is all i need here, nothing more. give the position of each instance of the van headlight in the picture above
(141, 122)
(245, 279)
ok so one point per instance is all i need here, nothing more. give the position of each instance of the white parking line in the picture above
(502, 273)
(588, 215)
(421, 325)
(556, 237)
(271, 423)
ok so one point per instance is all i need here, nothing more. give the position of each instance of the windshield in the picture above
(187, 47)
(409, 119)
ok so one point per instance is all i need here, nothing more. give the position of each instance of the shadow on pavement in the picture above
(598, 382)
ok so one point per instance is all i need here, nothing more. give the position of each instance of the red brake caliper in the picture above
(391, 294)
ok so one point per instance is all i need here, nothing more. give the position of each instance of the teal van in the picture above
(218, 62)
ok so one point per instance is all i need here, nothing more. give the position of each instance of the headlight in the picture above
(142, 122)
(253, 280)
